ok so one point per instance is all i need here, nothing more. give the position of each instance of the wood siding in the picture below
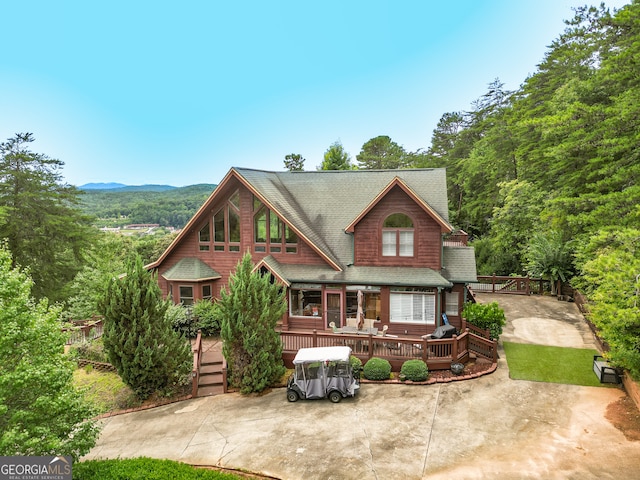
(427, 241)
(225, 262)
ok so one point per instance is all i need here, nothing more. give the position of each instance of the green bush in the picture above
(144, 469)
(486, 316)
(205, 318)
(93, 351)
(415, 370)
(356, 364)
(377, 369)
(181, 320)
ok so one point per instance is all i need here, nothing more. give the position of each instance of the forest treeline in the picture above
(168, 207)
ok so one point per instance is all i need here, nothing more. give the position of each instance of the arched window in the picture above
(397, 236)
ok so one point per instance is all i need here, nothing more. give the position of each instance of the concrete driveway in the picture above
(484, 428)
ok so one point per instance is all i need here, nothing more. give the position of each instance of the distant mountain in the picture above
(119, 187)
(101, 186)
(162, 204)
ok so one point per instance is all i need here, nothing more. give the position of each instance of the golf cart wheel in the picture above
(292, 396)
(335, 396)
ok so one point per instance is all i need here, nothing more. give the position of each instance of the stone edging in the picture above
(144, 407)
(104, 367)
(433, 381)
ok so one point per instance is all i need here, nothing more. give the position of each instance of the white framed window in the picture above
(304, 302)
(186, 295)
(412, 307)
(397, 236)
(452, 304)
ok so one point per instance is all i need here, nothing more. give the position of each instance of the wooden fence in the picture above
(437, 354)
(511, 285)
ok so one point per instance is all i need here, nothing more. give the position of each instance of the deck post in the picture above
(315, 338)
(425, 354)
(454, 348)
(493, 283)
(370, 346)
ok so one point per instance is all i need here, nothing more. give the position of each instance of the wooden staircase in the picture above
(211, 378)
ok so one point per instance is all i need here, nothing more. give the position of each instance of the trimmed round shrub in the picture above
(415, 370)
(377, 369)
(356, 363)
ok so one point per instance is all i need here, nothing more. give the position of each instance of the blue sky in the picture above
(176, 93)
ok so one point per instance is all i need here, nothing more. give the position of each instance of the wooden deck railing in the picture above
(197, 359)
(510, 285)
(85, 331)
(438, 354)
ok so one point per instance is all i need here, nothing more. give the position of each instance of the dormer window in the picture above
(397, 236)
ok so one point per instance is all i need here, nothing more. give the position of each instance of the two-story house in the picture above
(324, 236)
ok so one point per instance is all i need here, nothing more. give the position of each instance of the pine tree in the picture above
(139, 340)
(41, 413)
(248, 314)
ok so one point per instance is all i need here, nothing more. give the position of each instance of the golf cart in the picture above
(322, 372)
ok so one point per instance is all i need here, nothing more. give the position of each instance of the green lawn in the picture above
(104, 389)
(540, 363)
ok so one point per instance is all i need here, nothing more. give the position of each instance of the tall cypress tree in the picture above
(138, 339)
(249, 313)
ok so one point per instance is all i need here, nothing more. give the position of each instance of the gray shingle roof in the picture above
(321, 204)
(191, 270)
(353, 275)
(459, 264)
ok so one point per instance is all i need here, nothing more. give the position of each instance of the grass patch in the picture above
(104, 389)
(541, 363)
(144, 469)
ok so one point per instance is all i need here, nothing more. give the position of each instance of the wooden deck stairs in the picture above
(210, 382)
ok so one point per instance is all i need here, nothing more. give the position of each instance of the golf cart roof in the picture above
(322, 354)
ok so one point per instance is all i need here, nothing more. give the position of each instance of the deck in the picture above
(437, 354)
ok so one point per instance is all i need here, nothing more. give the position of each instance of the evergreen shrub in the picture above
(415, 370)
(377, 369)
(486, 316)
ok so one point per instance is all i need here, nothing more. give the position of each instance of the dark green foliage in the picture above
(415, 370)
(204, 313)
(377, 369)
(144, 469)
(182, 321)
(170, 208)
(356, 363)
(380, 153)
(294, 162)
(248, 314)
(487, 316)
(610, 277)
(93, 351)
(39, 218)
(335, 158)
(140, 342)
(41, 412)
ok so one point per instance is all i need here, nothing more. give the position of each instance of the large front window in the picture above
(305, 302)
(412, 306)
(270, 233)
(397, 236)
(186, 295)
(226, 226)
(371, 302)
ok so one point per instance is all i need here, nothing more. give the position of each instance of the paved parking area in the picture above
(483, 428)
